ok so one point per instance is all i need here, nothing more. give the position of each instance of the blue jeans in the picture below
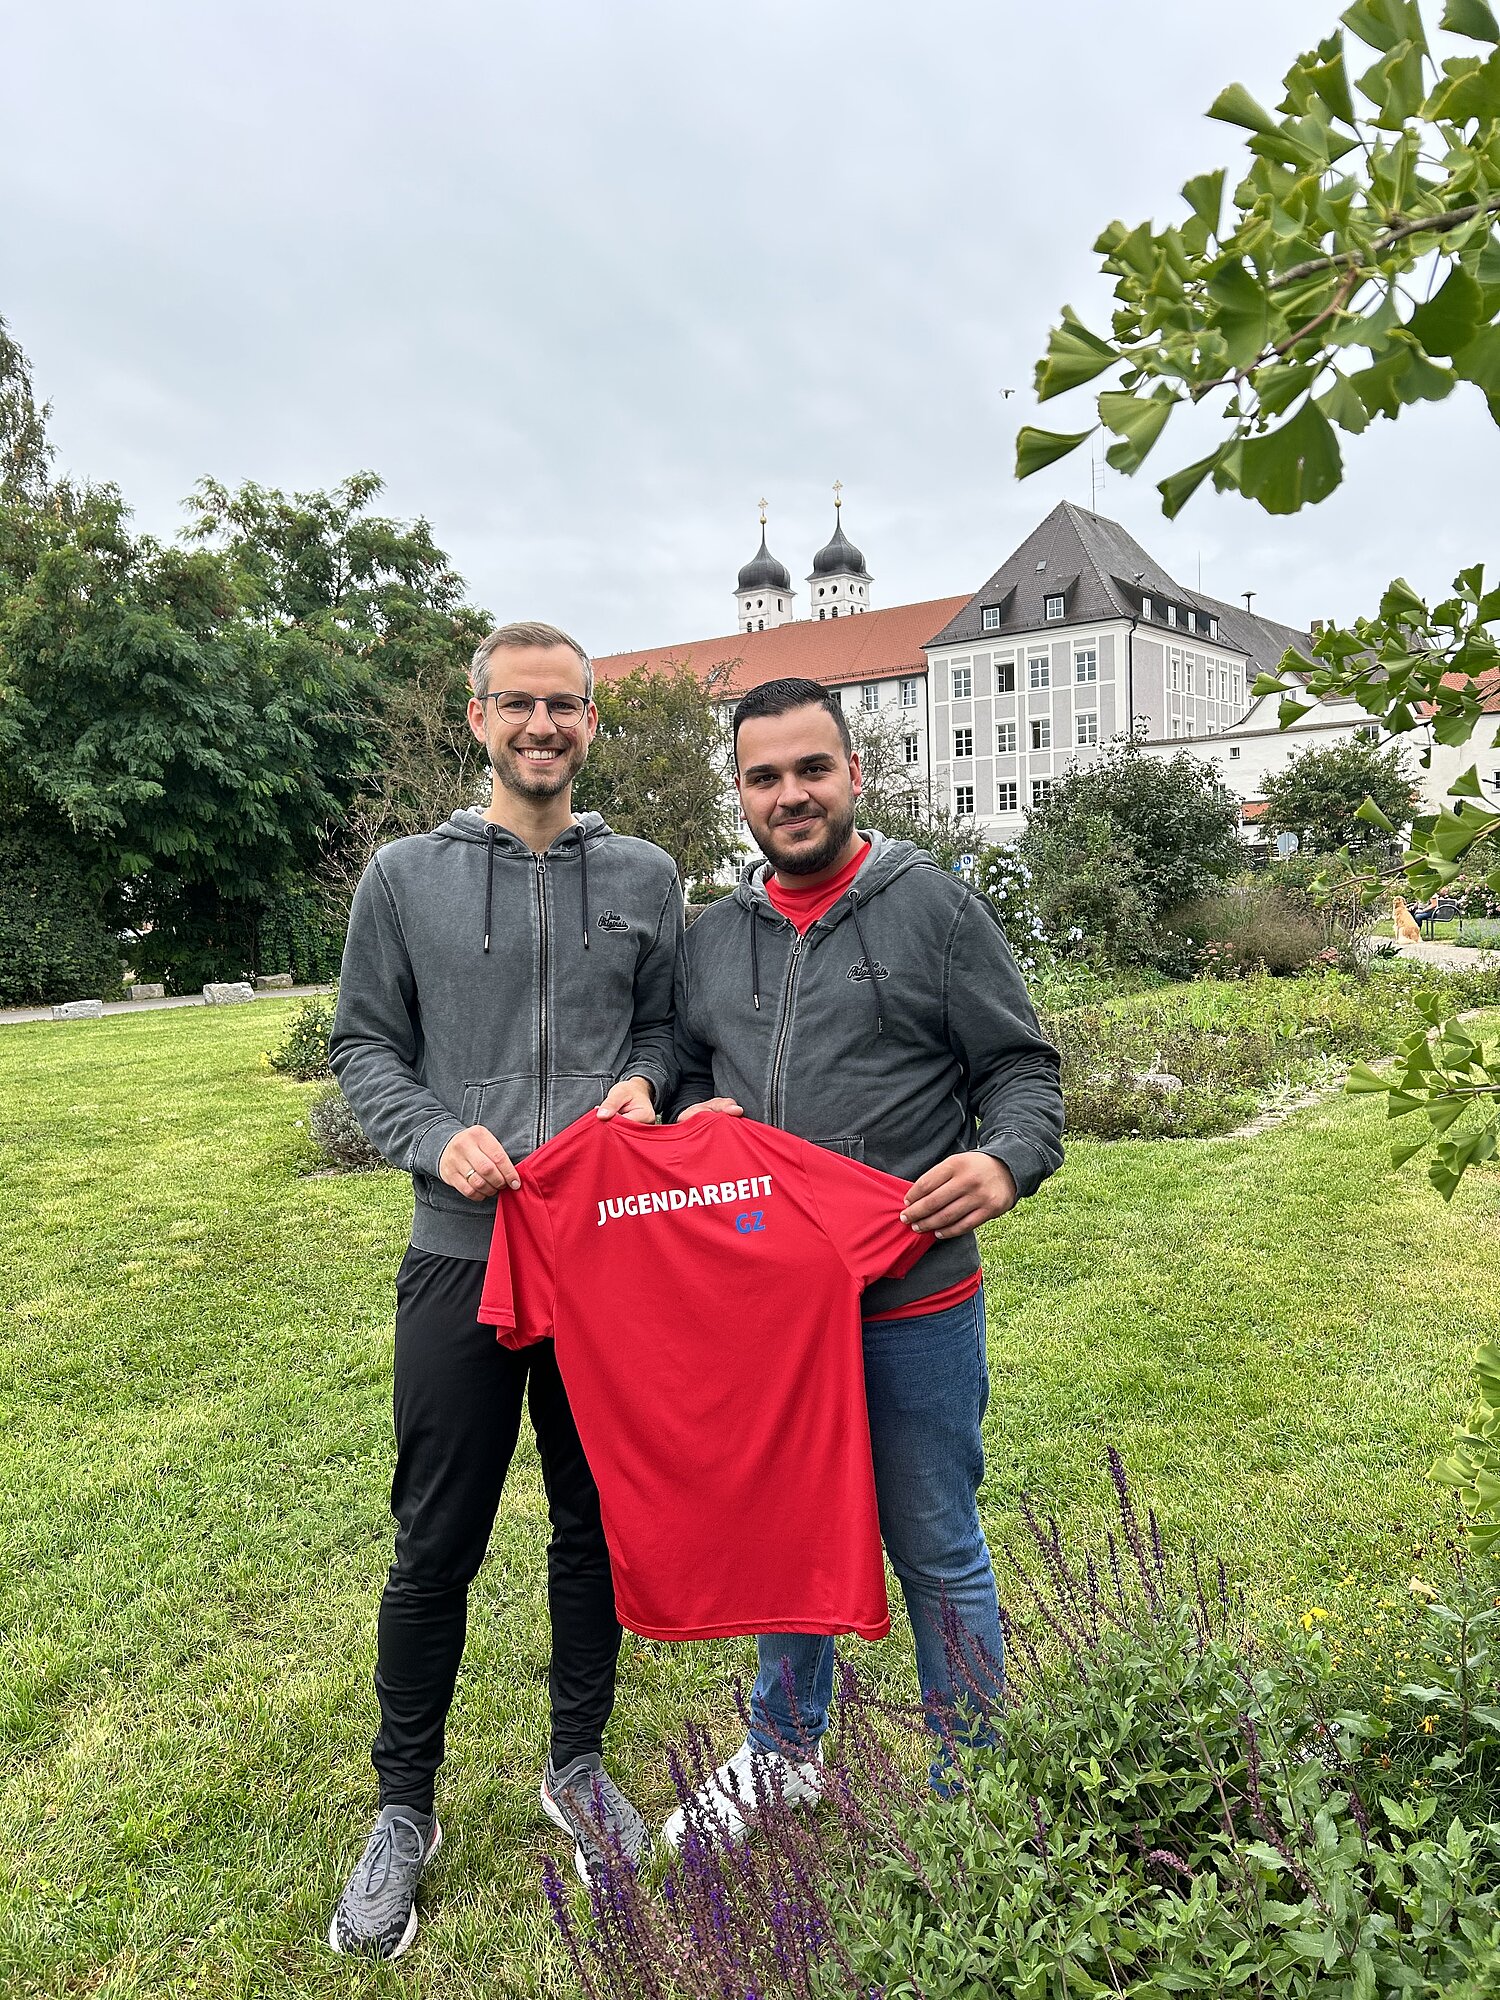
(927, 1386)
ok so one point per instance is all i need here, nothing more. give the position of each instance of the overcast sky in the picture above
(583, 281)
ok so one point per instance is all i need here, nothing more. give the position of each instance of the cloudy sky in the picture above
(583, 281)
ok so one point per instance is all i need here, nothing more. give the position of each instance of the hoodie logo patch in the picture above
(609, 921)
(864, 969)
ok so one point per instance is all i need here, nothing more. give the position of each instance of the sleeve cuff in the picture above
(432, 1145)
(1026, 1165)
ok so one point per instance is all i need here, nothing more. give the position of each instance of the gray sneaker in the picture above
(377, 1913)
(584, 1800)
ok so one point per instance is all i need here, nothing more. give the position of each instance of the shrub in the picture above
(1173, 1807)
(1251, 924)
(337, 1132)
(53, 943)
(302, 1052)
(1228, 1044)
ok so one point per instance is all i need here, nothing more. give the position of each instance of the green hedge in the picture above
(53, 944)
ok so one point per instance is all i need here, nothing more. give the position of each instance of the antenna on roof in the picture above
(1247, 595)
(1200, 569)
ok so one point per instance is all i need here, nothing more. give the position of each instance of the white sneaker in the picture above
(726, 1802)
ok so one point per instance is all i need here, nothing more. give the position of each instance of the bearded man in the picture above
(504, 975)
(853, 992)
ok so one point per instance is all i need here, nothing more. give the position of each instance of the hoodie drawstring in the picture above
(489, 880)
(754, 959)
(869, 965)
(583, 884)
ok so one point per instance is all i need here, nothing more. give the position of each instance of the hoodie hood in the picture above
(888, 861)
(469, 824)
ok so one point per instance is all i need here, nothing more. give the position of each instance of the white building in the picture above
(1079, 637)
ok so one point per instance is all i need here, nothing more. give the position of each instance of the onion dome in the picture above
(839, 555)
(763, 572)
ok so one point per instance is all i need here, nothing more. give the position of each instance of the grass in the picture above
(194, 1386)
(1478, 933)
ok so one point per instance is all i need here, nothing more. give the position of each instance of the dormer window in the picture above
(1145, 607)
(1213, 626)
(989, 618)
(1171, 614)
(1055, 607)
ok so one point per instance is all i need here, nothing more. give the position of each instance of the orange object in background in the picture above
(1403, 922)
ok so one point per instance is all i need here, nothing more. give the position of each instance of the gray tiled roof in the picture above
(1103, 572)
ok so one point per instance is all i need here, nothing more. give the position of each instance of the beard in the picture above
(527, 781)
(807, 857)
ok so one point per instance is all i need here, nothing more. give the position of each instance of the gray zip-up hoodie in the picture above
(486, 985)
(897, 1030)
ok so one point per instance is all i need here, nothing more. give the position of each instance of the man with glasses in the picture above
(505, 974)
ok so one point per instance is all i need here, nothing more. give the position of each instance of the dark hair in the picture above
(781, 697)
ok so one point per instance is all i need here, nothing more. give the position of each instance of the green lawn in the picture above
(194, 1382)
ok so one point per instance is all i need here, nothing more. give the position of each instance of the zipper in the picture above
(542, 956)
(784, 1024)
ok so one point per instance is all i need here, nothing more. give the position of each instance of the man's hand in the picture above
(959, 1193)
(631, 1098)
(727, 1105)
(475, 1162)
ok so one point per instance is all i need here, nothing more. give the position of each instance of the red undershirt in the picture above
(802, 908)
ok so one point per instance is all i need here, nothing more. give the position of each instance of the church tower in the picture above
(840, 583)
(764, 592)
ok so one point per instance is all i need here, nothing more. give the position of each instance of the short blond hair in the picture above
(514, 638)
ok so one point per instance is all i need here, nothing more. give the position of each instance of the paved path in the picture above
(1433, 951)
(10, 1014)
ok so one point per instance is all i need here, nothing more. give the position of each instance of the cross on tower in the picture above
(838, 490)
(762, 506)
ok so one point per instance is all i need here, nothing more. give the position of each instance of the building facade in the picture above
(1078, 639)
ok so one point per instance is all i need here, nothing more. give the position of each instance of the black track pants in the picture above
(458, 1415)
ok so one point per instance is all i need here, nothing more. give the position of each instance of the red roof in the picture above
(1252, 809)
(1489, 690)
(869, 646)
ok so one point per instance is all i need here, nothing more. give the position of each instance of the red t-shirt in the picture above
(802, 909)
(702, 1283)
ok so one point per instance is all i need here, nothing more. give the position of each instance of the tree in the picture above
(896, 801)
(1176, 817)
(1086, 889)
(658, 768)
(1365, 224)
(1319, 794)
(25, 454)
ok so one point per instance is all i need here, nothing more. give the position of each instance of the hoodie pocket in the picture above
(506, 1107)
(569, 1097)
(852, 1146)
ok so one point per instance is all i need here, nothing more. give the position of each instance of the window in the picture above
(1005, 739)
(1174, 664)
(1171, 614)
(1086, 664)
(1235, 751)
(1213, 626)
(1040, 672)
(1006, 796)
(1236, 685)
(911, 748)
(1055, 607)
(820, 611)
(963, 800)
(911, 694)
(1176, 725)
(1368, 732)
(1188, 664)
(1005, 676)
(835, 612)
(989, 618)
(869, 697)
(963, 743)
(963, 683)
(1145, 607)
(1087, 730)
(1041, 791)
(1041, 732)
(779, 605)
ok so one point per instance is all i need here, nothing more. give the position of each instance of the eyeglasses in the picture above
(566, 711)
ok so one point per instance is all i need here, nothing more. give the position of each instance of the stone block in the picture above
(272, 982)
(228, 992)
(145, 989)
(78, 1010)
